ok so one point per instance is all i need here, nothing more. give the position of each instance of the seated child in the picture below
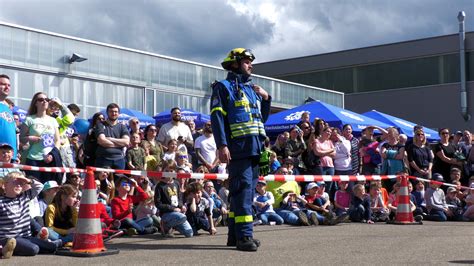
(292, 209)
(198, 211)
(15, 234)
(469, 212)
(146, 209)
(61, 215)
(318, 205)
(436, 201)
(122, 207)
(380, 212)
(360, 210)
(419, 197)
(454, 204)
(263, 202)
(219, 210)
(168, 200)
(342, 198)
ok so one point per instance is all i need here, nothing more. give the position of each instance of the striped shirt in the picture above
(15, 213)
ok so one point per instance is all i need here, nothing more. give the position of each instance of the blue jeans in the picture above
(53, 235)
(30, 246)
(139, 225)
(268, 217)
(331, 187)
(319, 216)
(178, 221)
(114, 164)
(288, 216)
(437, 215)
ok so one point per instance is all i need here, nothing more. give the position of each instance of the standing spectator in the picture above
(196, 134)
(420, 156)
(7, 123)
(174, 129)
(369, 152)
(134, 126)
(295, 146)
(154, 148)
(355, 159)
(304, 119)
(392, 153)
(41, 132)
(90, 142)
(65, 118)
(342, 159)
(444, 152)
(206, 150)
(135, 153)
(112, 138)
(280, 145)
(238, 111)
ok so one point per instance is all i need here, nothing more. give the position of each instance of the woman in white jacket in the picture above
(342, 160)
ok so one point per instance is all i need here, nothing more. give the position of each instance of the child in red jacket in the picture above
(122, 207)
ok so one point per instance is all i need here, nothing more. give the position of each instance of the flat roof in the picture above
(438, 45)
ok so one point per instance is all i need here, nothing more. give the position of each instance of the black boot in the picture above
(232, 242)
(247, 244)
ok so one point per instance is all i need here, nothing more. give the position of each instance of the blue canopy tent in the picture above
(405, 127)
(186, 114)
(126, 114)
(333, 115)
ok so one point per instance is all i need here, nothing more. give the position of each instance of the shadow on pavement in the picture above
(462, 261)
(148, 246)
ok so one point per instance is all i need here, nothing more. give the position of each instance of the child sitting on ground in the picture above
(122, 207)
(168, 200)
(263, 202)
(469, 212)
(419, 197)
(436, 201)
(454, 204)
(61, 215)
(342, 198)
(380, 212)
(15, 234)
(292, 209)
(146, 209)
(360, 210)
(198, 211)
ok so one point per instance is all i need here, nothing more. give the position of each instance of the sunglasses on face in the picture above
(183, 157)
(125, 184)
(444, 133)
(41, 100)
(420, 134)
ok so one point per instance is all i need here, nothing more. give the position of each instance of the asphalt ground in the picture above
(352, 243)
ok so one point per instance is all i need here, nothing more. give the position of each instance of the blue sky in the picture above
(205, 30)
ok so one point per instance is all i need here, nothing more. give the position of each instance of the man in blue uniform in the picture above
(238, 110)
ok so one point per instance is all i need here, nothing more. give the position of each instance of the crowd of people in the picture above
(39, 210)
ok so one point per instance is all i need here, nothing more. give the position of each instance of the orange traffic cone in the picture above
(88, 236)
(404, 214)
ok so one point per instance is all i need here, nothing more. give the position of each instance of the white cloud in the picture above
(206, 30)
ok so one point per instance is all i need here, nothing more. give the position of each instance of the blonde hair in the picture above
(12, 176)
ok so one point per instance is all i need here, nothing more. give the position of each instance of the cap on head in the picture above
(451, 189)
(311, 186)
(235, 55)
(262, 182)
(50, 184)
(6, 146)
(437, 177)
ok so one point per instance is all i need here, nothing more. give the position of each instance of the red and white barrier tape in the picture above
(281, 178)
